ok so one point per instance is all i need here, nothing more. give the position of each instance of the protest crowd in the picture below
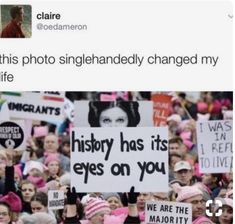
(29, 171)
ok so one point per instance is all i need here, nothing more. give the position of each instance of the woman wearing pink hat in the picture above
(192, 194)
(6, 215)
(227, 211)
(52, 163)
(97, 211)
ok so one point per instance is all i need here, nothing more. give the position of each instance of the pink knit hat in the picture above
(52, 157)
(40, 131)
(39, 182)
(95, 206)
(186, 135)
(13, 201)
(224, 201)
(201, 220)
(187, 192)
(34, 164)
(108, 219)
(202, 107)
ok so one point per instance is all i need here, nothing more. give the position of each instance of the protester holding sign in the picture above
(97, 211)
(113, 199)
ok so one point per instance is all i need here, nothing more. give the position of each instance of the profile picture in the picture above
(113, 113)
(15, 21)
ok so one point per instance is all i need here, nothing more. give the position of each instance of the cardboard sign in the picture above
(161, 108)
(12, 135)
(33, 106)
(114, 159)
(215, 146)
(55, 199)
(162, 212)
(145, 110)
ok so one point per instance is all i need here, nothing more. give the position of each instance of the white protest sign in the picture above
(12, 135)
(4, 111)
(55, 199)
(145, 110)
(164, 212)
(35, 108)
(215, 146)
(46, 95)
(114, 159)
(69, 109)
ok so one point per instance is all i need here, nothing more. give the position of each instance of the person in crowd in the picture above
(141, 200)
(3, 161)
(51, 147)
(194, 196)
(6, 215)
(175, 145)
(214, 182)
(113, 199)
(113, 114)
(173, 122)
(53, 167)
(14, 203)
(65, 149)
(183, 172)
(61, 214)
(34, 171)
(227, 211)
(97, 211)
(26, 191)
(39, 202)
(160, 196)
(173, 159)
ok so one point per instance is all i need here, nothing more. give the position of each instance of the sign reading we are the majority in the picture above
(164, 212)
(114, 159)
(215, 146)
(45, 106)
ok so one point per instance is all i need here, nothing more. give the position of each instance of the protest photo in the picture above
(116, 157)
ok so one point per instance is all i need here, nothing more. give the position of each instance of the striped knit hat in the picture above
(94, 206)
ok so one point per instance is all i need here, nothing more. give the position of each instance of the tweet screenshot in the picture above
(116, 112)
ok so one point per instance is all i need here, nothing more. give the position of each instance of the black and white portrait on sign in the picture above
(113, 114)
